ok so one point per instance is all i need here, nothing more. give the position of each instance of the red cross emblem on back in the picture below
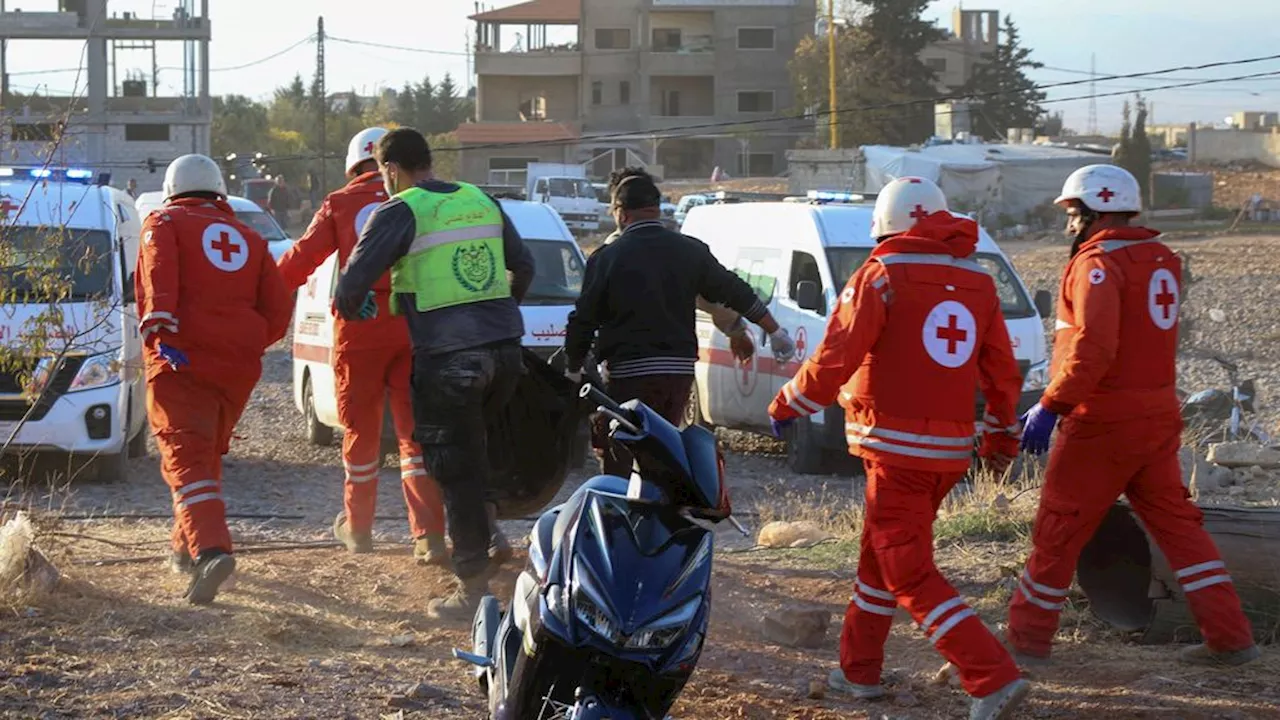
(1165, 299)
(952, 333)
(225, 246)
(1106, 194)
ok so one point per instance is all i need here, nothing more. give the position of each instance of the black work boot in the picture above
(211, 570)
(499, 547)
(1203, 655)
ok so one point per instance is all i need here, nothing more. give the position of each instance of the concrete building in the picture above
(1254, 120)
(974, 33)
(662, 83)
(118, 122)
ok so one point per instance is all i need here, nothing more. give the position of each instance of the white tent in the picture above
(996, 179)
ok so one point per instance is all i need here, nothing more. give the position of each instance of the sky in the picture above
(1124, 36)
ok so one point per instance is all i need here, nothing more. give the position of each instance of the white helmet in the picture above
(193, 173)
(904, 202)
(1103, 188)
(361, 146)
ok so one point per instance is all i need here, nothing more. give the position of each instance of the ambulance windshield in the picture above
(44, 264)
(1013, 299)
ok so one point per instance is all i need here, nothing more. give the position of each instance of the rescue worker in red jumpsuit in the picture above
(372, 360)
(1114, 388)
(211, 302)
(917, 330)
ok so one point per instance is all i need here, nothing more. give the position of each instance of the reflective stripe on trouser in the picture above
(365, 381)
(1089, 467)
(896, 568)
(192, 420)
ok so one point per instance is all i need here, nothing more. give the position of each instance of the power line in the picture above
(685, 131)
(272, 56)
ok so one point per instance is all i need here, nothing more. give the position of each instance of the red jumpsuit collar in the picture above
(366, 177)
(190, 202)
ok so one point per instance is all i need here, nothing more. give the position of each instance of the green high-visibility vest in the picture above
(456, 256)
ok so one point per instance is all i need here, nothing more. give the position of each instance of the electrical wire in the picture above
(272, 56)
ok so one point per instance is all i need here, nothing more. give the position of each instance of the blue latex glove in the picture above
(780, 426)
(369, 310)
(1037, 428)
(172, 355)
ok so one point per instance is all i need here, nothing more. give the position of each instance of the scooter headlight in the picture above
(666, 630)
(591, 614)
(1037, 377)
(97, 371)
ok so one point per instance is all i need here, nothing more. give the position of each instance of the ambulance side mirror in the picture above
(1044, 303)
(809, 296)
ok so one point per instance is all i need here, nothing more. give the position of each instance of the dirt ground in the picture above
(317, 633)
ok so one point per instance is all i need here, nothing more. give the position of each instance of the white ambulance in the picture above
(555, 288)
(82, 393)
(798, 255)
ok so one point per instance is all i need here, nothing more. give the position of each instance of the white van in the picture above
(247, 212)
(798, 256)
(82, 393)
(555, 288)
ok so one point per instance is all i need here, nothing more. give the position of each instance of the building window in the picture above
(938, 65)
(509, 170)
(597, 92)
(138, 132)
(756, 165)
(755, 101)
(624, 92)
(670, 103)
(666, 40)
(34, 132)
(755, 38)
(534, 108)
(613, 39)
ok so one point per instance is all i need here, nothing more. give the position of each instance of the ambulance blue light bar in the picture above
(80, 176)
(835, 196)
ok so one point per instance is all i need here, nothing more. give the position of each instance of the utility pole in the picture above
(831, 72)
(1092, 128)
(323, 100)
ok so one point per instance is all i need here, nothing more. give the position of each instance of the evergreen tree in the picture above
(406, 112)
(447, 106)
(425, 103)
(878, 56)
(1123, 149)
(1007, 98)
(355, 108)
(1139, 160)
(295, 93)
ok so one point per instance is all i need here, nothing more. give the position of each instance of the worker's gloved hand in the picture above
(997, 463)
(780, 426)
(783, 347)
(172, 355)
(1037, 428)
(742, 346)
(369, 310)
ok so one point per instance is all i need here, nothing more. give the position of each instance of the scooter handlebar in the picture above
(627, 419)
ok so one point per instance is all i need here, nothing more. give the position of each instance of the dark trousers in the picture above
(454, 394)
(667, 395)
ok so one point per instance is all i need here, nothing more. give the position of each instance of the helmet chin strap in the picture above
(1088, 218)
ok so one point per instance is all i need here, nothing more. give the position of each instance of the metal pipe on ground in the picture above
(1130, 585)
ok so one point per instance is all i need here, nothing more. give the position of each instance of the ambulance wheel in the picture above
(317, 432)
(805, 454)
(693, 411)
